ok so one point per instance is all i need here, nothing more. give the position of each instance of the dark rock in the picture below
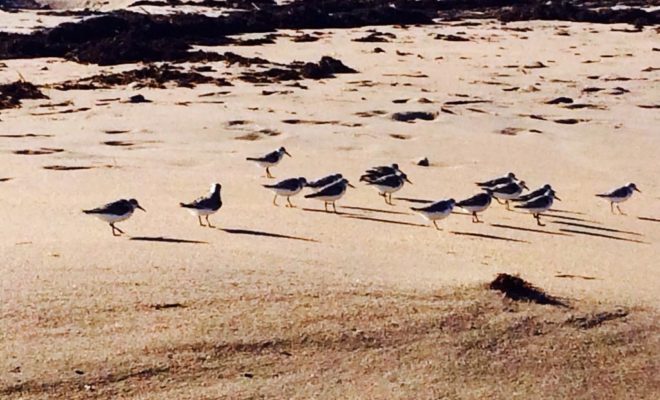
(138, 98)
(560, 100)
(516, 288)
(413, 115)
(451, 38)
(424, 162)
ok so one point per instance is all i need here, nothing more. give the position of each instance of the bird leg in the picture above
(117, 229)
(435, 223)
(612, 207)
(498, 200)
(385, 196)
(199, 217)
(619, 208)
(391, 200)
(334, 207)
(209, 222)
(538, 219)
(275, 200)
(507, 205)
(475, 218)
(268, 175)
(288, 200)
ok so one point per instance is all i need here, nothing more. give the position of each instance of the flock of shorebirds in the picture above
(387, 180)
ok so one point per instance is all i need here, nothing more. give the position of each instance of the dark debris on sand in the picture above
(11, 94)
(515, 288)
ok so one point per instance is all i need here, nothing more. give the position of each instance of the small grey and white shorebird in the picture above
(476, 204)
(503, 180)
(287, 188)
(508, 192)
(619, 195)
(532, 195)
(323, 182)
(540, 204)
(374, 173)
(389, 184)
(114, 212)
(205, 205)
(436, 211)
(270, 160)
(330, 194)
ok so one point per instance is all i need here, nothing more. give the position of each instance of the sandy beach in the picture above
(78, 303)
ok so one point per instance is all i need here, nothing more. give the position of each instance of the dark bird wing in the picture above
(209, 202)
(507, 189)
(439, 206)
(539, 202)
(325, 181)
(620, 192)
(389, 180)
(332, 190)
(475, 201)
(271, 157)
(287, 184)
(494, 182)
(532, 195)
(119, 207)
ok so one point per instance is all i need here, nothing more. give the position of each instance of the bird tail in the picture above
(251, 159)
(88, 211)
(416, 208)
(311, 195)
(184, 205)
(601, 195)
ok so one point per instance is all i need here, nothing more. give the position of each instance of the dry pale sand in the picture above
(74, 297)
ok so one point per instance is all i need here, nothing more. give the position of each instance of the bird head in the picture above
(135, 204)
(452, 201)
(523, 185)
(215, 188)
(553, 194)
(405, 178)
(303, 181)
(547, 187)
(347, 183)
(283, 151)
(634, 187)
(511, 176)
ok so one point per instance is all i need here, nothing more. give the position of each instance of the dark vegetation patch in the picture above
(515, 288)
(38, 152)
(589, 321)
(126, 37)
(11, 94)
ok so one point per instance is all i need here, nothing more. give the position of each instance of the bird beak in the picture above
(140, 207)
(287, 153)
(525, 186)
(638, 190)
(556, 198)
(408, 180)
(350, 185)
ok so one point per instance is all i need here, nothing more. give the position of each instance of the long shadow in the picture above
(322, 211)
(374, 210)
(386, 221)
(417, 201)
(5, 179)
(586, 278)
(602, 235)
(598, 228)
(557, 210)
(265, 234)
(162, 239)
(570, 218)
(519, 228)
(485, 236)
(649, 219)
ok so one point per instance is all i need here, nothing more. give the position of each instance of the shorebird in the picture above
(540, 204)
(323, 182)
(508, 192)
(436, 211)
(477, 203)
(532, 195)
(114, 212)
(619, 195)
(270, 160)
(287, 188)
(330, 194)
(374, 173)
(205, 205)
(389, 184)
(503, 180)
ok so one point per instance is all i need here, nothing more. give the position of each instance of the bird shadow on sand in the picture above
(571, 276)
(649, 219)
(162, 239)
(322, 211)
(416, 201)
(597, 228)
(386, 221)
(564, 217)
(486, 236)
(376, 210)
(559, 211)
(520, 228)
(601, 235)
(265, 234)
